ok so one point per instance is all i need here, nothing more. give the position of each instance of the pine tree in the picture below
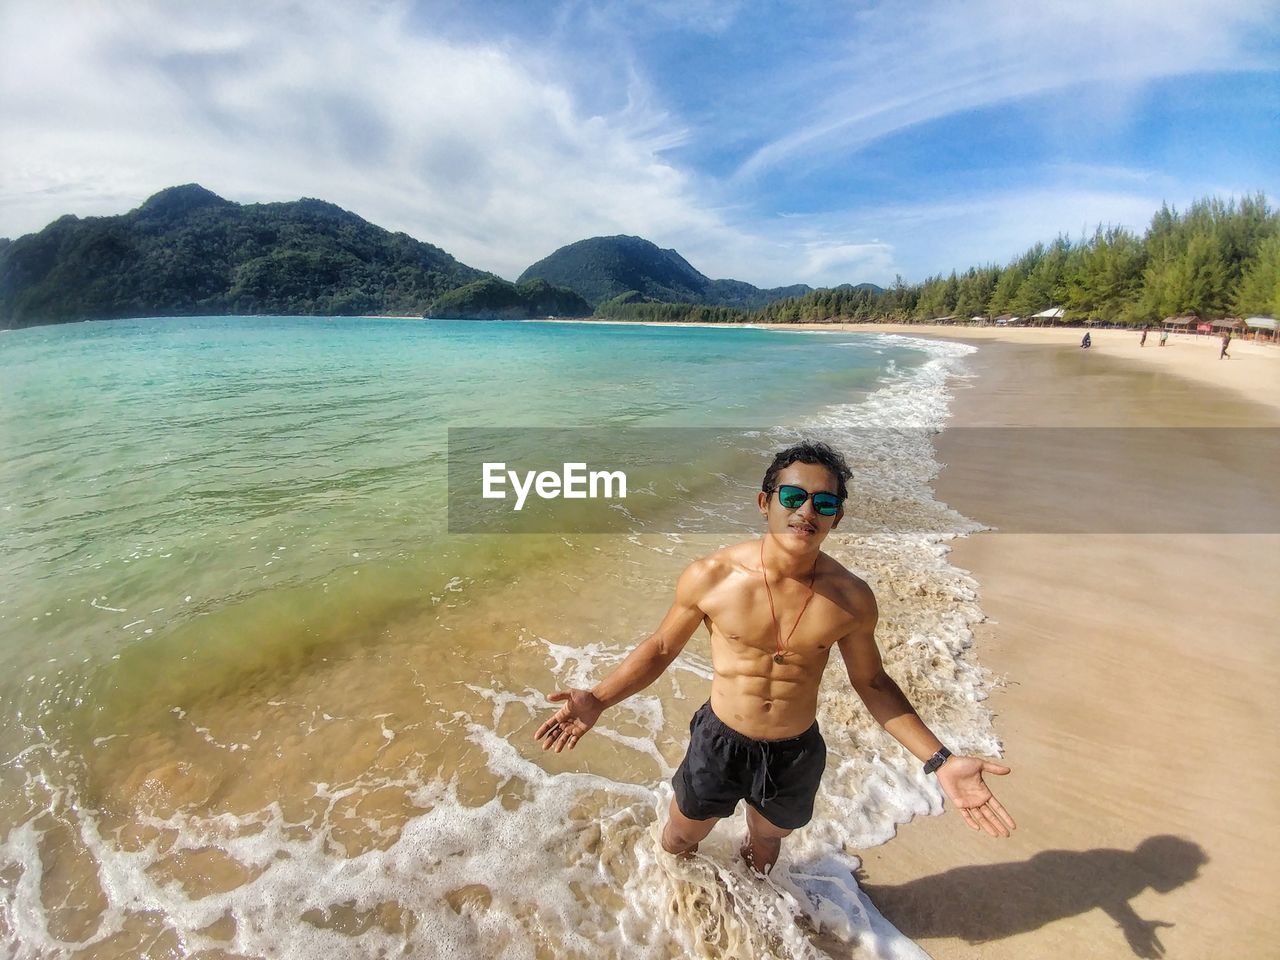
(1258, 292)
(1107, 276)
(1043, 287)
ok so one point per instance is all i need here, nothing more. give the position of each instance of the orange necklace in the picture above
(784, 645)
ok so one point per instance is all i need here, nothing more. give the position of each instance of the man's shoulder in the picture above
(717, 566)
(846, 588)
(710, 571)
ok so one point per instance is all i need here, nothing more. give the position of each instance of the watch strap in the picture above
(937, 760)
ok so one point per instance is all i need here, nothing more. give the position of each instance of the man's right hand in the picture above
(579, 714)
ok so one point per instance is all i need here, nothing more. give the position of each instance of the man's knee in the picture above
(681, 839)
(680, 835)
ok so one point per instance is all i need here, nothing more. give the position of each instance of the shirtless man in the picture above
(775, 608)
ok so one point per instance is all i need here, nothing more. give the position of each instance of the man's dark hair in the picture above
(816, 452)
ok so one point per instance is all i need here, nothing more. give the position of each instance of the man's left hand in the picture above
(961, 781)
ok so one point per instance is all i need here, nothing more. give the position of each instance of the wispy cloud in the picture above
(903, 65)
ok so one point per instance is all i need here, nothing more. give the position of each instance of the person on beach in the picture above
(774, 609)
(1164, 336)
(1142, 341)
(1226, 342)
(1087, 342)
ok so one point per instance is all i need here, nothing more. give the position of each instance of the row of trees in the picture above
(620, 308)
(1216, 259)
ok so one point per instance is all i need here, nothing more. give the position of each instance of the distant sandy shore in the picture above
(1252, 367)
(1142, 673)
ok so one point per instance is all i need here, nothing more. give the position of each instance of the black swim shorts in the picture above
(722, 766)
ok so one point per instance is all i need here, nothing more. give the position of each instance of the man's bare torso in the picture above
(750, 692)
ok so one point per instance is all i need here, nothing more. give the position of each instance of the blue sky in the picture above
(816, 142)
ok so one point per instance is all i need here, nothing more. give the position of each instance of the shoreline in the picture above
(1187, 355)
(1136, 672)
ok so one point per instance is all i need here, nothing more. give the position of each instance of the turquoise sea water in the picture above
(230, 607)
(159, 471)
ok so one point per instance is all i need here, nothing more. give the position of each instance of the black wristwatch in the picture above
(937, 760)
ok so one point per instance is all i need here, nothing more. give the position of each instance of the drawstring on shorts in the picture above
(765, 779)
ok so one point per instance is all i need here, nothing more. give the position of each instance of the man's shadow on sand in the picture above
(987, 903)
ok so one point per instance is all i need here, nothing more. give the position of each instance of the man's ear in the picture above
(762, 501)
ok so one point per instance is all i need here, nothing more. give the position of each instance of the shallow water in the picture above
(260, 703)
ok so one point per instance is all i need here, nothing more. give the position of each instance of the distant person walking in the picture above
(1164, 337)
(1143, 342)
(1226, 342)
(1086, 343)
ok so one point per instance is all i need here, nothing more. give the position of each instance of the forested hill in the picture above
(495, 299)
(603, 268)
(187, 251)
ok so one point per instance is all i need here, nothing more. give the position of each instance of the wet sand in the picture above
(1138, 705)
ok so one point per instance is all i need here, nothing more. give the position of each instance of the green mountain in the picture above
(187, 251)
(494, 299)
(602, 268)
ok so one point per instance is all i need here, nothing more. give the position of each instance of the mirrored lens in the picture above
(827, 504)
(792, 497)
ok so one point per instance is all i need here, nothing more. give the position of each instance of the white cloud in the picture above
(459, 145)
(463, 146)
(499, 150)
(826, 258)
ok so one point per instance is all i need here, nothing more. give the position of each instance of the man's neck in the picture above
(783, 563)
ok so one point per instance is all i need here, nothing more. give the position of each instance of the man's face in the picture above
(803, 526)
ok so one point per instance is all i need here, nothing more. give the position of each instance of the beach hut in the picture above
(1052, 315)
(1262, 327)
(1228, 323)
(950, 318)
(1007, 320)
(1179, 324)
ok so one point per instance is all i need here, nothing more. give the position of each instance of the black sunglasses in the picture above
(793, 498)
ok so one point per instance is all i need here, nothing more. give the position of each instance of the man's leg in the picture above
(682, 835)
(763, 843)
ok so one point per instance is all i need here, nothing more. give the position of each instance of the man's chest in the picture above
(749, 617)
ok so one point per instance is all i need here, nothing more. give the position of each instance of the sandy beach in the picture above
(1139, 672)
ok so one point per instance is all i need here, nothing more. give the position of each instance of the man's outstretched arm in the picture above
(960, 777)
(643, 665)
